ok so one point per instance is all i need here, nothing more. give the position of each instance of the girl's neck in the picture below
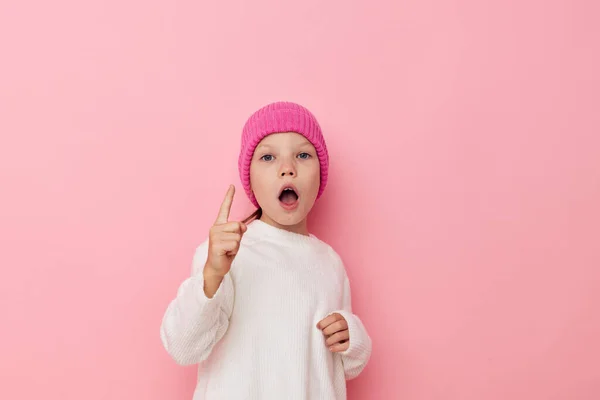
(301, 228)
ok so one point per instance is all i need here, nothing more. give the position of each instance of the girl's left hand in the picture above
(335, 328)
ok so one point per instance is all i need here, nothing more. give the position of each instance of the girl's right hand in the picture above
(224, 240)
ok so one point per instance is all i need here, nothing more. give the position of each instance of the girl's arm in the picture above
(194, 323)
(357, 355)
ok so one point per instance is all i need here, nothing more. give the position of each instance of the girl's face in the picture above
(285, 179)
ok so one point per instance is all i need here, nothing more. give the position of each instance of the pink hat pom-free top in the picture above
(277, 118)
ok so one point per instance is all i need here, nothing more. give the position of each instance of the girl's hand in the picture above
(335, 328)
(224, 240)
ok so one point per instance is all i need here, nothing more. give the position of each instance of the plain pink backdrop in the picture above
(464, 190)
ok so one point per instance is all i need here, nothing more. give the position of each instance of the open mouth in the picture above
(288, 196)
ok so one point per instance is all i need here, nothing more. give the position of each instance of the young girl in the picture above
(267, 311)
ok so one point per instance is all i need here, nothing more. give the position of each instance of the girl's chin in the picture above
(286, 217)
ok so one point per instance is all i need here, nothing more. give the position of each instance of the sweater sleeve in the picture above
(356, 357)
(193, 323)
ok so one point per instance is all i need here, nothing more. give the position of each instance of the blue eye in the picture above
(267, 157)
(304, 156)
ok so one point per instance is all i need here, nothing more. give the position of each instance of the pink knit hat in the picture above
(277, 118)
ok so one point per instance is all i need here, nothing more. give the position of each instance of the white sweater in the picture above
(257, 337)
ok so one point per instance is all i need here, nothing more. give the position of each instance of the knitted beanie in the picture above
(280, 117)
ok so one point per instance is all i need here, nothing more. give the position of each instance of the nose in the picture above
(287, 169)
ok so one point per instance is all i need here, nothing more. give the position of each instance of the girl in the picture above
(267, 311)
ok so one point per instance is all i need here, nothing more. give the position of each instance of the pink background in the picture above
(464, 192)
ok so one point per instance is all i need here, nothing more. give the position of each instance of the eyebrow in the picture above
(268, 146)
(307, 143)
(263, 146)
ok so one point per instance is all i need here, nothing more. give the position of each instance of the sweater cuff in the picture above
(223, 297)
(360, 342)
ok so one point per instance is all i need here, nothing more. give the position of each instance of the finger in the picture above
(340, 347)
(223, 216)
(336, 327)
(234, 227)
(229, 237)
(329, 320)
(227, 247)
(337, 338)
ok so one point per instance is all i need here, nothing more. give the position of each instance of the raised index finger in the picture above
(223, 216)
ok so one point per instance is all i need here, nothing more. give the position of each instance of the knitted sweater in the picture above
(257, 337)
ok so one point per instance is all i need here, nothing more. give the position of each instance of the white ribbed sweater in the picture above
(257, 337)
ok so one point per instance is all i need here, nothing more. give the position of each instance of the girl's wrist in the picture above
(212, 281)
(211, 273)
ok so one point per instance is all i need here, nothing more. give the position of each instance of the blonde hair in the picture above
(255, 215)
